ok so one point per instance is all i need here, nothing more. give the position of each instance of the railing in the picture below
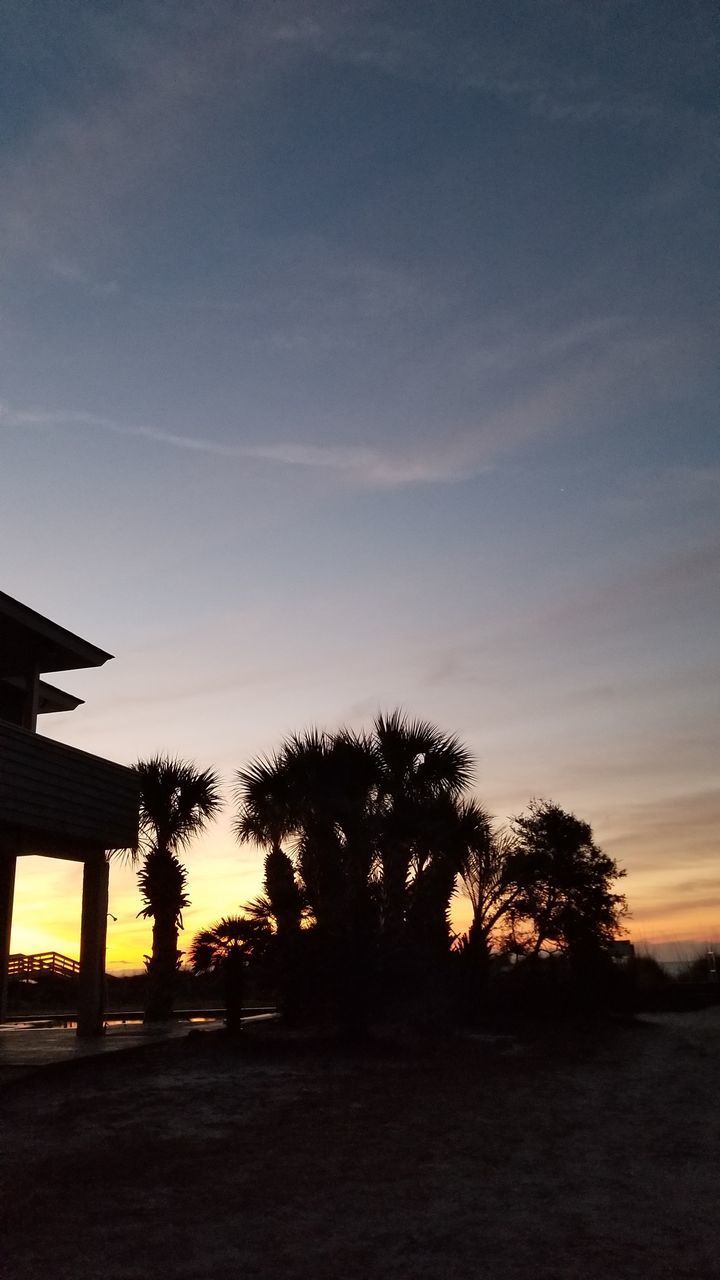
(43, 962)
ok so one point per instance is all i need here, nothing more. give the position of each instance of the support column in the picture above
(8, 861)
(93, 934)
(31, 699)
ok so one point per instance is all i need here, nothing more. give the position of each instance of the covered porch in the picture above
(55, 800)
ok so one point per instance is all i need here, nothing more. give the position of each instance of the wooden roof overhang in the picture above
(30, 641)
(50, 698)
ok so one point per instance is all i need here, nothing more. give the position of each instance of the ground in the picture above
(588, 1154)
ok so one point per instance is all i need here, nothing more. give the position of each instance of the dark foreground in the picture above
(569, 1156)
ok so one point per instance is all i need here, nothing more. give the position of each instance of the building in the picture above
(55, 800)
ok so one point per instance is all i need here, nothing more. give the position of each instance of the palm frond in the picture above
(232, 935)
(263, 796)
(415, 753)
(176, 801)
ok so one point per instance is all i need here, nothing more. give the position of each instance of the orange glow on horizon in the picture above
(48, 894)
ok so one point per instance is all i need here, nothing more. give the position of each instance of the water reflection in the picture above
(61, 1023)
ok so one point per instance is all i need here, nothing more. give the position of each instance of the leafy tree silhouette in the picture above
(564, 884)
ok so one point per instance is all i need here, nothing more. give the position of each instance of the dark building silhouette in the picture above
(55, 800)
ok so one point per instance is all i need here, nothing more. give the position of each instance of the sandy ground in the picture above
(585, 1156)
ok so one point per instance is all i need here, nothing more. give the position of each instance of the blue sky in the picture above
(358, 354)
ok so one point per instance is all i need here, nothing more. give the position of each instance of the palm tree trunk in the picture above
(162, 970)
(282, 890)
(233, 973)
(479, 944)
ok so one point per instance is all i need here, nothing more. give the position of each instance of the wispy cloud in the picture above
(526, 72)
(69, 272)
(445, 458)
(581, 373)
(683, 822)
(302, 293)
(64, 183)
(645, 594)
(366, 466)
(680, 488)
(521, 345)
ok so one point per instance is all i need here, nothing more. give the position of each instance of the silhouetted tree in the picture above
(369, 835)
(176, 803)
(419, 769)
(315, 795)
(564, 885)
(229, 947)
(283, 908)
(485, 872)
(369, 824)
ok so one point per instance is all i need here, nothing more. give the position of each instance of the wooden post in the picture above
(93, 933)
(7, 891)
(31, 699)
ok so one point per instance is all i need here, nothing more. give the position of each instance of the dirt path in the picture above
(595, 1159)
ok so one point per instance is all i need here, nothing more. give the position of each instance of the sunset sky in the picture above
(356, 355)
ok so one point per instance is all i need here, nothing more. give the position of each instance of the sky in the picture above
(356, 355)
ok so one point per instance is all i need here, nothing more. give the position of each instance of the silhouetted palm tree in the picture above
(176, 803)
(422, 771)
(369, 824)
(265, 817)
(486, 870)
(228, 947)
(316, 795)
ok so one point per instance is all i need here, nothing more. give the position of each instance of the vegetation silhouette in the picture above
(368, 823)
(368, 837)
(229, 947)
(176, 803)
(563, 879)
